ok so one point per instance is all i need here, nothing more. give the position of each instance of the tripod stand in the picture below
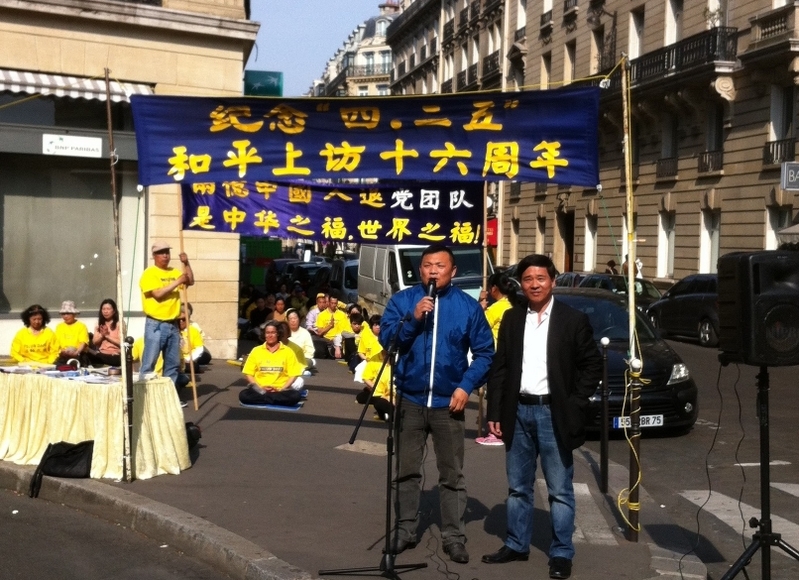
(764, 537)
(387, 567)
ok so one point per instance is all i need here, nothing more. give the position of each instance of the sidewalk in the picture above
(276, 494)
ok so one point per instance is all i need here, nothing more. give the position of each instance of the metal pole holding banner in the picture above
(603, 421)
(127, 459)
(628, 179)
(184, 297)
(633, 505)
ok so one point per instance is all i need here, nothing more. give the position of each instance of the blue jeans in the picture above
(534, 436)
(448, 430)
(161, 337)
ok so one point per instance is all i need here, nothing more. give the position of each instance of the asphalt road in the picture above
(722, 455)
(40, 539)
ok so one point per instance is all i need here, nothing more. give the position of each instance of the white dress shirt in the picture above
(534, 379)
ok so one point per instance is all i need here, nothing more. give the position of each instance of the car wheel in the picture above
(707, 334)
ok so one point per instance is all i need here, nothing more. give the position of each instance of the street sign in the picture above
(790, 176)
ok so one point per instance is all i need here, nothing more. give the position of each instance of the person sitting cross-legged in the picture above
(330, 325)
(271, 370)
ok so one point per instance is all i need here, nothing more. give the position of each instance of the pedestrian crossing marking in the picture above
(789, 488)
(590, 526)
(726, 509)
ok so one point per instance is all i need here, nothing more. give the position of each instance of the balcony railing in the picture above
(774, 23)
(491, 64)
(710, 161)
(409, 16)
(369, 70)
(775, 152)
(472, 74)
(490, 5)
(546, 19)
(461, 78)
(520, 34)
(463, 19)
(446, 86)
(714, 45)
(667, 167)
(449, 30)
(569, 6)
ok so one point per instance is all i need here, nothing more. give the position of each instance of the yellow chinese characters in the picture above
(265, 188)
(399, 229)
(300, 193)
(225, 117)
(180, 163)
(429, 233)
(204, 188)
(267, 220)
(549, 159)
(289, 120)
(372, 198)
(335, 193)
(290, 168)
(344, 158)
(449, 152)
(242, 156)
(502, 159)
(369, 228)
(482, 118)
(334, 228)
(398, 155)
(435, 122)
(463, 233)
(235, 188)
(361, 117)
(234, 216)
(298, 224)
(203, 218)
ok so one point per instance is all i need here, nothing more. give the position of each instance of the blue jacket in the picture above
(456, 326)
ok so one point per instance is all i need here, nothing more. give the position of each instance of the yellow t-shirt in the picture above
(138, 350)
(494, 315)
(272, 369)
(372, 351)
(71, 335)
(381, 388)
(38, 348)
(194, 337)
(154, 278)
(340, 322)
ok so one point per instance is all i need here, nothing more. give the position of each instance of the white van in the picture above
(386, 269)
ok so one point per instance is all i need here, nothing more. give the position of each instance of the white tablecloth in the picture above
(36, 410)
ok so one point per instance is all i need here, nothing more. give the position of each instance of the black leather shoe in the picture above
(505, 554)
(457, 553)
(403, 545)
(560, 568)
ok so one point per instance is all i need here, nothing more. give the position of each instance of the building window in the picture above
(673, 31)
(782, 111)
(597, 49)
(521, 13)
(709, 241)
(668, 220)
(363, 91)
(46, 256)
(570, 55)
(540, 234)
(636, 40)
(383, 90)
(370, 63)
(382, 25)
(546, 69)
(777, 218)
(591, 223)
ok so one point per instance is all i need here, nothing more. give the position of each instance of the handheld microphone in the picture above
(431, 293)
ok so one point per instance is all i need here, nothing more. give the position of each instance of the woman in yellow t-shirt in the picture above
(35, 343)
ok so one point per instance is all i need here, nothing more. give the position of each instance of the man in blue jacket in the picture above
(436, 325)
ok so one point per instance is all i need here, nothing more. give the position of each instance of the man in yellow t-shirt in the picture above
(331, 323)
(271, 370)
(160, 289)
(71, 334)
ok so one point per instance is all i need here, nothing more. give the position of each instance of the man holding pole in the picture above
(546, 367)
(160, 287)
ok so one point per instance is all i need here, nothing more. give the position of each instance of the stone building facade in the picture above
(56, 214)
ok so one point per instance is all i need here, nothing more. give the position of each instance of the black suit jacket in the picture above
(574, 368)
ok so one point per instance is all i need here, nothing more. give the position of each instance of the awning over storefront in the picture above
(63, 86)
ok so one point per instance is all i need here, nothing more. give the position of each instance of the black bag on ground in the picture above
(63, 460)
(193, 434)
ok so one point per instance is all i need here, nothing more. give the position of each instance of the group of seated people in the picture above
(71, 342)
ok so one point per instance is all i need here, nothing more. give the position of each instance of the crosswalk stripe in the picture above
(725, 508)
(789, 488)
(590, 526)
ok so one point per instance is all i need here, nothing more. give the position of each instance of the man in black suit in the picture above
(538, 393)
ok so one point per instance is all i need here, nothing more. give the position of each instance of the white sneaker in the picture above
(184, 404)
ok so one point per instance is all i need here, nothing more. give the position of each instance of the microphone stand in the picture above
(387, 568)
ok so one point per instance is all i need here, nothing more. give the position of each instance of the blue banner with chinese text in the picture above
(446, 212)
(537, 136)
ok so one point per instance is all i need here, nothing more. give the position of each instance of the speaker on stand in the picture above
(759, 326)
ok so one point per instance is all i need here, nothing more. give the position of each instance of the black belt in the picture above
(534, 399)
(173, 321)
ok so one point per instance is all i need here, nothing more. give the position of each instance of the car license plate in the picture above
(646, 421)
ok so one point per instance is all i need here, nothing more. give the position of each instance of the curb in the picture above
(243, 560)
(209, 543)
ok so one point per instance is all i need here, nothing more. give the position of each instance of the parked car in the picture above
(569, 279)
(645, 292)
(690, 309)
(305, 271)
(669, 394)
(279, 271)
(340, 279)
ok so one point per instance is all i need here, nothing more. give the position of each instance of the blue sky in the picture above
(297, 37)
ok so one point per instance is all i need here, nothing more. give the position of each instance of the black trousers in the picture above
(286, 397)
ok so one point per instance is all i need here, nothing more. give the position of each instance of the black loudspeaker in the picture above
(759, 307)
